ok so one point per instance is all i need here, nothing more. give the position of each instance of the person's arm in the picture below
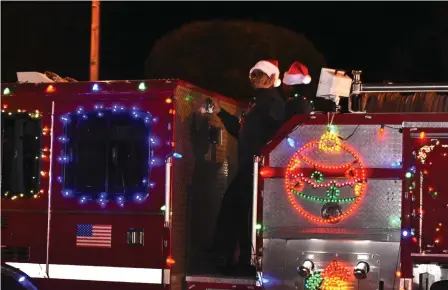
(231, 122)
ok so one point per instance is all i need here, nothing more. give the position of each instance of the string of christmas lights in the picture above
(416, 174)
(40, 156)
(100, 111)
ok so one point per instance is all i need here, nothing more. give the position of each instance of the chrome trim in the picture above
(168, 164)
(255, 208)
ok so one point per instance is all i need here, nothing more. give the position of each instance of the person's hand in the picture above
(260, 80)
(216, 106)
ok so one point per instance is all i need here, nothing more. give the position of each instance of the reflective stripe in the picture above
(93, 273)
(32, 270)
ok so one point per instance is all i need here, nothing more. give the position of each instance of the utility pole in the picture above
(95, 41)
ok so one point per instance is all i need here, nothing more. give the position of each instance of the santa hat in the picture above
(296, 75)
(269, 67)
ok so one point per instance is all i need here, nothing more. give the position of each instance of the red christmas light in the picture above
(335, 277)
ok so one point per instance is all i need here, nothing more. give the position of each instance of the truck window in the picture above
(21, 151)
(107, 156)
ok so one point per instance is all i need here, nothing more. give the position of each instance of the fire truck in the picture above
(119, 183)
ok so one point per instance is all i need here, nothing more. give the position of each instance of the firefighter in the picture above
(292, 80)
(257, 124)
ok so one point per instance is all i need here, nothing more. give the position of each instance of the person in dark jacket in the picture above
(292, 80)
(253, 129)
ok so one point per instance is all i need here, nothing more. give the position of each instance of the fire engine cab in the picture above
(117, 185)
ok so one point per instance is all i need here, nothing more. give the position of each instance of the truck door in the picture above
(107, 221)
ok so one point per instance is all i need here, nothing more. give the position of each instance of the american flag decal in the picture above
(99, 236)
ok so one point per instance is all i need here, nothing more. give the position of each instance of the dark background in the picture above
(398, 41)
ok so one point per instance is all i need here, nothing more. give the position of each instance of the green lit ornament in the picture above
(317, 176)
(333, 192)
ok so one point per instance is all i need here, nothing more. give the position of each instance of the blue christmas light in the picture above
(101, 111)
(405, 233)
(120, 201)
(67, 192)
(62, 139)
(291, 142)
(95, 87)
(177, 155)
(65, 119)
(63, 159)
(83, 199)
(139, 197)
(396, 164)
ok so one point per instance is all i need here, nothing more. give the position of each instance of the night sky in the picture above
(405, 41)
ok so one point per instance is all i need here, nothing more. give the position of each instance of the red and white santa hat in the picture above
(296, 75)
(269, 67)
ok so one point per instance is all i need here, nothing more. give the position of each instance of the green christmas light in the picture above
(163, 208)
(394, 221)
(408, 175)
(333, 192)
(142, 86)
(6, 91)
(332, 129)
(314, 281)
(323, 200)
(258, 227)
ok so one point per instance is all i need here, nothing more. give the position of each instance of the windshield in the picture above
(21, 151)
(106, 155)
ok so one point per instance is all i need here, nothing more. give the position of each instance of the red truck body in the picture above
(124, 180)
(77, 232)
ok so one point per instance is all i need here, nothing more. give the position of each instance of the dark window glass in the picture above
(21, 152)
(106, 154)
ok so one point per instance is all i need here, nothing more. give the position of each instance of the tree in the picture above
(217, 55)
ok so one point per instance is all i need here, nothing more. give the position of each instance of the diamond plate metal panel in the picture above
(374, 152)
(375, 217)
(425, 124)
(282, 257)
(199, 181)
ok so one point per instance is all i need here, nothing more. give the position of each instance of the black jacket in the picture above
(297, 105)
(261, 120)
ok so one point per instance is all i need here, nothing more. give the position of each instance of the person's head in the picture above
(265, 74)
